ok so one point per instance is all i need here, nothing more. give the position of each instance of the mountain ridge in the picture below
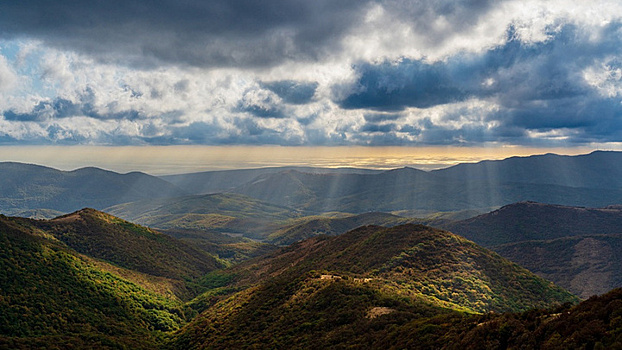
(27, 186)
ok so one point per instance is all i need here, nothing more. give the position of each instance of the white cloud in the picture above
(8, 77)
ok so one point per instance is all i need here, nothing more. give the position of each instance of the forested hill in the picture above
(350, 290)
(103, 236)
(89, 280)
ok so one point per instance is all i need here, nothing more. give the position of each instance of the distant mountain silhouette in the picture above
(599, 169)
(26, 186)
(593, 180)
(409, 189)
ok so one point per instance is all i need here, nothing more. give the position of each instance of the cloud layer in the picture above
(392, 72)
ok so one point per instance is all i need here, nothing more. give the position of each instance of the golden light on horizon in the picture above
(159, 160)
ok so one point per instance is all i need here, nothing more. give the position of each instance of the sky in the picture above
(477, 74)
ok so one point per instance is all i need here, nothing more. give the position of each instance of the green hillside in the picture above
(350, 290)
(53, 297)
(103, 236)
(417, 261)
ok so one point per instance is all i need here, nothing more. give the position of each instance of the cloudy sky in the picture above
(478, 73)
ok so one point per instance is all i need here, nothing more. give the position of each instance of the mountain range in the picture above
(27, 186)
(89, 279)
(224, 180)
(569, 180)
(591, 180)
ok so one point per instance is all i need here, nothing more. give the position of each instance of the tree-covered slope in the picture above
(103, 236)
(53, 297)
(593, 324)
(418, 261)
(353, 288)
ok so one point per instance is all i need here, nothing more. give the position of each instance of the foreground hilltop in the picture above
(350, 289)
(91, 280)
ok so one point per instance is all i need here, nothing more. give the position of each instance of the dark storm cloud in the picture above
(422, 14)
(63, 108)
(538, 86)
(292, 91)
(513, 72)
(241, 33)
(392, 87)
(192, 32)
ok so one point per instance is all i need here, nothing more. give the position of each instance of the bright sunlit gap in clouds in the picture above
(161, 160)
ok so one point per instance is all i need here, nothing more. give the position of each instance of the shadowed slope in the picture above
(578, 248)
(26, 186)
(584, 265)
(536, 221)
